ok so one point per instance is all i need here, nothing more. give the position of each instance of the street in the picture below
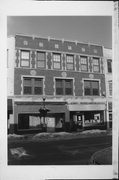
(61, 152)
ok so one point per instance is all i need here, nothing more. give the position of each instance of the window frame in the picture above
(109, 61)
(23, 59)
(84, 64)
(96, 65)
(91, 87)
(64, 86)
(110, 87)
(69, 63)
(56, 62)
(38, 52)
(33, 85)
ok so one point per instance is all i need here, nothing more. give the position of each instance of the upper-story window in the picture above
(25, 58)
(32, 86)
(110, 88)
(41, 59)
(91, 88)
(70, 62)
(96, 65)
(64, 86)
(109, 66)
(56, 61)
(84, 63)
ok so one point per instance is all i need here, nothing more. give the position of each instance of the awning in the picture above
(86, 107)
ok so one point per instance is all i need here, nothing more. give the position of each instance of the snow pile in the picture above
(15, 136)
(94, 131)
(18, 153)
(50, 135)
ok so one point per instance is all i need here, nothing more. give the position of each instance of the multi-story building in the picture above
(108, 80)
(68, 74)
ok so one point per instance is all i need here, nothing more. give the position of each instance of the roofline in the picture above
(36, 36)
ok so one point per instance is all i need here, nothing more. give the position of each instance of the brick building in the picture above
(68, 74)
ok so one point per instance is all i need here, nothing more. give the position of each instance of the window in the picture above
(25, 58)
(110, 110)
(64, 87)
(96, 65)
(29, 121)
(84, 63)
(91, 88)
(70, 62)
(32, 86)
(109, 66)
(41, 59)
(57, 61)
(110, 88)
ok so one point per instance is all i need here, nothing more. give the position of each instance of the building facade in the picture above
(108, 80)
(70, 76)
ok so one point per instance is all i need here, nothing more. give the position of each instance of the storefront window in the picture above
(29, 121)
(92, 118)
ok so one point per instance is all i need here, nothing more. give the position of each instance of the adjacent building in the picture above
(108, 80)
(68, 76)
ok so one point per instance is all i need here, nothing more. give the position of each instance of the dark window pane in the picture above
(59, 91)
(27, 90)
(109, 66)
(68, 91)
(38, 90)
(95, 87)
(87, 91)
(95, 92)
(23, 121)
(68, 87)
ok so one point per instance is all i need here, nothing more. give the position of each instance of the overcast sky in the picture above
(93, 29)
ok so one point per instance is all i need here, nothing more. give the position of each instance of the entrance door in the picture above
(79, 121)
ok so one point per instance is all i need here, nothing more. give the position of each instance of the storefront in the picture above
(50, 123)
(87, 116)
(27, 117)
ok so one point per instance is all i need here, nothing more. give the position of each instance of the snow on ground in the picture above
(19, 153)
(94, 131)
(50, 135)
(57, 135)
(15, 136)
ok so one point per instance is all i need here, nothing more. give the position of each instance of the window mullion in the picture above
(32, 84)
(64, 86)
(91, 88)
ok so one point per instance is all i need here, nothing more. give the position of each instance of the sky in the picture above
(92, 29)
